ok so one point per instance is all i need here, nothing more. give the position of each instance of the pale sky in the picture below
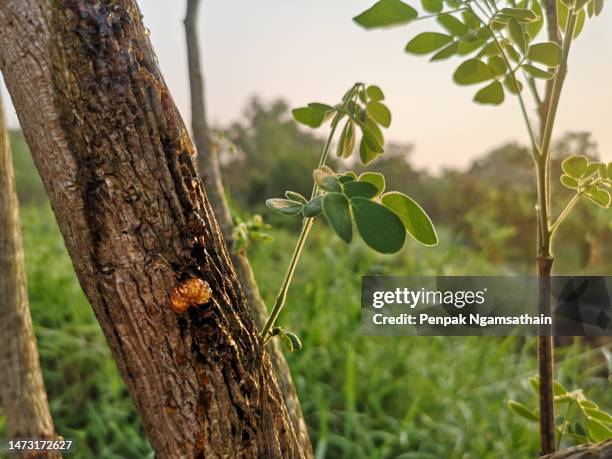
(310, 50)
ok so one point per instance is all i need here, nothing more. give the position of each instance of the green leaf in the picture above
(520, 14)
(599, 415)
(471, 20)
(361, 189)
(578, 4)
(547, 53)
(522, 410)
(319, 107)
(348, 176)
(386, 13)
(346, 143)
(413, 217)
(562, 14)
(379, 113)
(380, 228)
(366, 154)
(297, 197)
(453, 25)
(537, 73)
(473, 71)
(313, 207)
(533, 28)
(600, 197)
(376, 179)
(588, 404)
(558, 389)
(609, 170)
(512, 52)
(286, 341)
(375, 93)
(447, 52)
(597, 430)
(468, 45)
(569, 182)
(427, 42)
(432, 6)
(490, 49)
(534, 382)
(307, 116)
(492, 94)
(575, 166)
(513, 86)
(284, 206)
(598, 7)
(602, 171)
(498, 65)
(326, 180)
(591, 169)
(580, 20)
(296, 344)
(336, 211)
(373, 136)
(517, 33)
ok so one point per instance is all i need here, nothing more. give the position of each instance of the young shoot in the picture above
(500, 44)
(345, 200)
(583, 420)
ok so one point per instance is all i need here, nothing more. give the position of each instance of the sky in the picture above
(310, 50)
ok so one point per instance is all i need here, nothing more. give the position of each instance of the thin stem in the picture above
(545, 257)
(564, 214)
(306, 227)
(534, 90)
(543, 164)
(445, 13)
(532, 137)
(282, 294)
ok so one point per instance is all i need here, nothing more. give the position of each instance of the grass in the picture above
(363, 397)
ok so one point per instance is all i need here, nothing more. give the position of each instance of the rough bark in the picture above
(118, 166)
(597, 451)
(22, 390)
(209, 168)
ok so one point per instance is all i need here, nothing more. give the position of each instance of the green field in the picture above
(363, 397)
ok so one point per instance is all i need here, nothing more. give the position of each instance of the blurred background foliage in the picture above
(363, 397)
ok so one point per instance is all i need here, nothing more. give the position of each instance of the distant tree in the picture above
(273, 152)
(22, 390)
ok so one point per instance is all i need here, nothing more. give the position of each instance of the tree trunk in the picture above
(210, 171)
(117, 163)
(22, 390)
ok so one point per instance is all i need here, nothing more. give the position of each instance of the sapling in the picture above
(582, 420)
(499, 40)
(345, 199)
